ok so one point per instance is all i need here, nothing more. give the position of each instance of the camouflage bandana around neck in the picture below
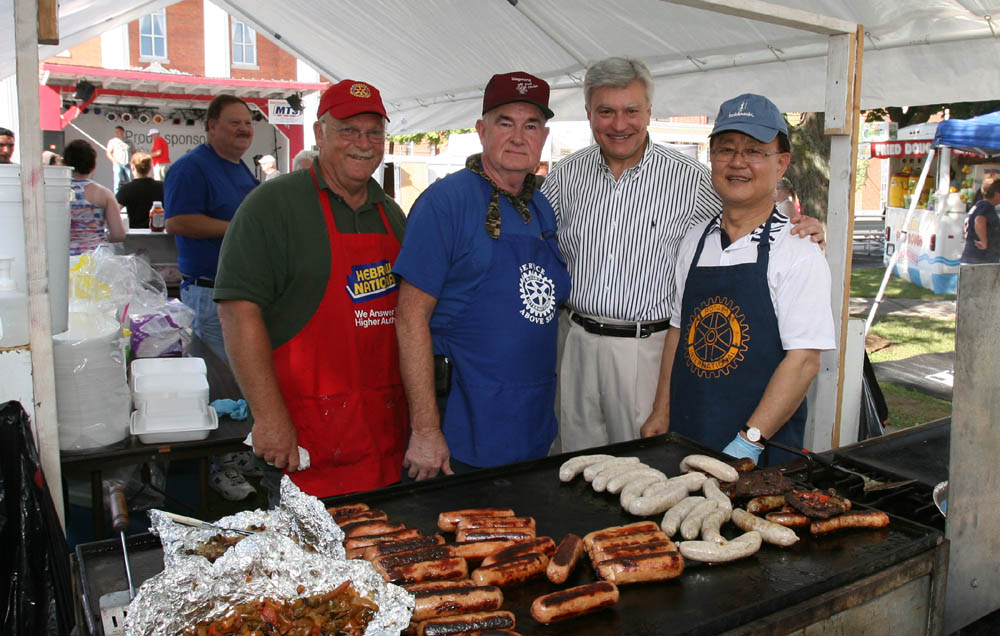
(520, 202)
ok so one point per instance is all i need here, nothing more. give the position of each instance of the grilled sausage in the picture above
(478, 550)
(574, 601)
(742, 464)
(437, 569)
(616, 552)
(372, 539)
(765, 503)
(852, 519)
(788, 517)
(465, 623)
(545, 545)
(769, 531)
(592, 471)
(470, 523)
(691, 525)
(391, 547)
(655, 566)
(448, 520)
(361, 515)
(512, 571)
(710, 552)
(389, 562)
(457, 599)
(631, 539)
(660, 501)
(575, 465)
(485, 534)
(564, 560)
(424, 586)
(673, 518)
(710, 465)
(346, 509)
(618, 531)
(368, 528)
(619, 481)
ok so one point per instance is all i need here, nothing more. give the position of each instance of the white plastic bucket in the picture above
(57, 217)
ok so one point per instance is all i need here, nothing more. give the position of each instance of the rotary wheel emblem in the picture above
(716, 338)
(538, 295)
(360, 90)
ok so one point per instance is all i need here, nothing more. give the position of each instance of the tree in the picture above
(809, 170)
(921, 114)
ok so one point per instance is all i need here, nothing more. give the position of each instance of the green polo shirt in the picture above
(276, 252)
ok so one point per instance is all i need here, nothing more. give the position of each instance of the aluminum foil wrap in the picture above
(265, 565)
(299, 516)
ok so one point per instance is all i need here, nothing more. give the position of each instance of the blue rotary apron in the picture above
(729, 348)
(503, 348)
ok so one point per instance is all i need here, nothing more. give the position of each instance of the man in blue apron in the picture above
(482, 283)
(755, 302)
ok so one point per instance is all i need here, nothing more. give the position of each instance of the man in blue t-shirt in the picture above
(201, 192)
(982, 229)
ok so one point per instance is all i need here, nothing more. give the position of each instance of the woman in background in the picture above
(94, 214)
(137, 195)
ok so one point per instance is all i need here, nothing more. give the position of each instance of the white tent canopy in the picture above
(432, 58)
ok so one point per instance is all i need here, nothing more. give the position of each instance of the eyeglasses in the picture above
(726, 154)
(353, 134)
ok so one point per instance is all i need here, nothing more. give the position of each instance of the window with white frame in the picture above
(244, 44)
(153, 35)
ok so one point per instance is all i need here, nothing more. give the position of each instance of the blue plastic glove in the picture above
(236, 409)
(740, 448)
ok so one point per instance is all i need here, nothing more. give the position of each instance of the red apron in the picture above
(340, 374)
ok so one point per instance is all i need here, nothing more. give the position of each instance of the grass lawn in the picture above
(898, 337)
(865, 284)
(908, 408)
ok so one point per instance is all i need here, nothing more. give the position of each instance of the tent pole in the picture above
(45, 424)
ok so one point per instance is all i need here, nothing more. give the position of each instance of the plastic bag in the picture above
(874, 410)
(109, 284)
(35, 584)
(160, 330)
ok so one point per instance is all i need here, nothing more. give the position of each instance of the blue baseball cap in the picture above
(750, 114)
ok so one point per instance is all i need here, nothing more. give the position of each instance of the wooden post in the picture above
(48, 22)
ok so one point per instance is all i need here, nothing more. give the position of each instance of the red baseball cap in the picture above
(348, 98)
(517, 87)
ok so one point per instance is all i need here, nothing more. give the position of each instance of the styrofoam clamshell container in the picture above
(169, 395)
(167, 366)
(159, 428)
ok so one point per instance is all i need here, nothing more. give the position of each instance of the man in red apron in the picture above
(483, 281)
(307, 300)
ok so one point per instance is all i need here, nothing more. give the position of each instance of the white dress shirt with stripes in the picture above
(620, 237)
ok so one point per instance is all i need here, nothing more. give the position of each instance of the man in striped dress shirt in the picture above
(622, 206)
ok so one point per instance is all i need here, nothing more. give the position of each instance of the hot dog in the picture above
(424, 586)
(512, 571)
(673, 518)
(448, 520)
(465, 623)
(438, 569)
(478, 550)
(485, 534)
(365, 541)
(619, 531)
(391, 547)
(544, 545)
(631, 539)
(765, 503)
(769, 531)
(655, 566)
(346, 509)
(470, 523)
(362, 515)
(852, 519)
(457, 599)
(632, 550)
(574, 601)
(368, 528)
(575, 465)
(710, 465)
(564, 560)
(389, 562)
(788, 518)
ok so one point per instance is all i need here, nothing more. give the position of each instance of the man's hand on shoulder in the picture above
(427, 454)
(276, 441)
(807, 226)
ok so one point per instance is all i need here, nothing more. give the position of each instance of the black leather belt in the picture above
(633, 330)
(200, 282)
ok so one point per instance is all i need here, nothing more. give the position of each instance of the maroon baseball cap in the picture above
(348, 98)
(517, 87)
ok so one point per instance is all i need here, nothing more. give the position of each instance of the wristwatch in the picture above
(753, 434)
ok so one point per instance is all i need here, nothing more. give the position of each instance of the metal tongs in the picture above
(870, 484)
(198, 523)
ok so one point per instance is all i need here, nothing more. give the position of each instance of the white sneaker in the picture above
(231, 484)
(242, 461)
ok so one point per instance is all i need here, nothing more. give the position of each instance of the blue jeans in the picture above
(206, 318)
(122, 176)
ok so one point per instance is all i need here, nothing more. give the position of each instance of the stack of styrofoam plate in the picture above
(171, 400)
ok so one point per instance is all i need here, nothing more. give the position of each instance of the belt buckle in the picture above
(642, 330)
